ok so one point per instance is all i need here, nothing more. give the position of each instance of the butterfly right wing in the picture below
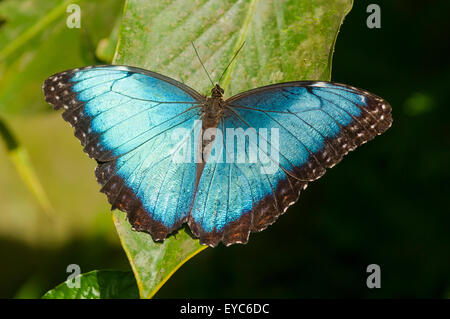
(125, 118)
(294, 131)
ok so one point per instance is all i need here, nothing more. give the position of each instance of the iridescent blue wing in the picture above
(124, 118)
(316, 123)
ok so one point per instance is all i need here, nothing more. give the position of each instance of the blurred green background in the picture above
(386, 203)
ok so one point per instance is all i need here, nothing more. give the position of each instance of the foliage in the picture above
(97, 284)
(289, 40)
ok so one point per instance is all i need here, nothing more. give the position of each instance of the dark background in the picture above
(386, 203)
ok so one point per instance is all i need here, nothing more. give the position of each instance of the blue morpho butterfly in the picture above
(126, 119)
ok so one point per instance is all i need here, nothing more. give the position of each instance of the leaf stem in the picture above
(18, 155)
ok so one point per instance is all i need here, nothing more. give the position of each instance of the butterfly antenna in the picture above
(198, 56)
(235, 55)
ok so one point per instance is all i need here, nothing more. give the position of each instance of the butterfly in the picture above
(226, 185)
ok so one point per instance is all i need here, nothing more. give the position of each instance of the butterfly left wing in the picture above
(125, 118)
(317, 124)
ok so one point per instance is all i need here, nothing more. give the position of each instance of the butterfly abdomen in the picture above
(212, 112)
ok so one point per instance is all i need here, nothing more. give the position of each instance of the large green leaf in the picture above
(35, 42)
(284, 41)
(154, 263)
(97, 284)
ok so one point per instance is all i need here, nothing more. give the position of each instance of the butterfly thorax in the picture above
(213, 108)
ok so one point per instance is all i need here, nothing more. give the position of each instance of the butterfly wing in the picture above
(316, 124)
(125, 118)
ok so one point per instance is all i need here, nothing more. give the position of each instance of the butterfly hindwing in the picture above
(236, 198)
(317, 124)
(124, 118)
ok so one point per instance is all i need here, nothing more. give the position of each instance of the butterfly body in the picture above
(213, 108)
(258, 149)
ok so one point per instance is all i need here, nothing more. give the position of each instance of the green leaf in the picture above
(284, 41)
(106, 47)
(97, 284)
(154, 263)
(35, 42)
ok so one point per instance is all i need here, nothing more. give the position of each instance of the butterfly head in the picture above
(217, 91)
